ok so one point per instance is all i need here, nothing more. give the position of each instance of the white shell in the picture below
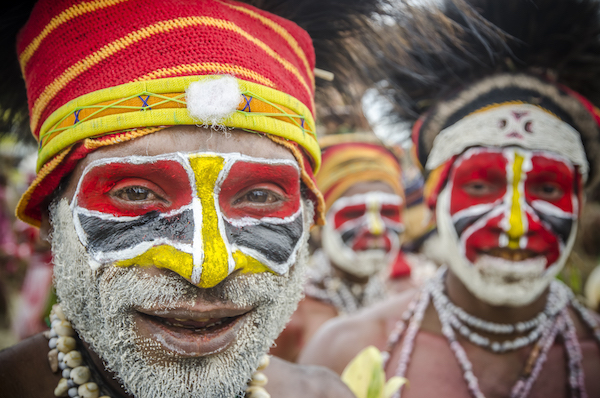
(61, 389)
(89, 390)
(66, 373)
(57, 310)
(257, 392)
(259, 379)
(72, 392)
(63, 328)
(52, 342)
(73, 359)
(65, 344)
(80, 374)
(264, 362)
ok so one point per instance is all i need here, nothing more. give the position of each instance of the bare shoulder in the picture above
(290, 380)
(339, 340)
(23, 363)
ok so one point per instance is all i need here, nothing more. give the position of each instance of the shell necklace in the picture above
(543, 330)
(76, 381)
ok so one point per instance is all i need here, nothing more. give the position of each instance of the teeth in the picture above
(181, 319)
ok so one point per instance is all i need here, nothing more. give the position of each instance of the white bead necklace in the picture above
(463, 322)
(76, 376)
(324, 286)
(558, 322)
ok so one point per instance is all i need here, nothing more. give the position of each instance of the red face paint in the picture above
(128, 189)
(260, 190)
(367, 221)
(519, 200)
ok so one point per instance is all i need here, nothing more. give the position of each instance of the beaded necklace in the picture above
(544, 328)
(326, 287)
(77, 378)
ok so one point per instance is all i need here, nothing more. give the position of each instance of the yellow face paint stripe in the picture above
(517, 227)
(215, 267)
(70, 13)
(163, 256)
(375, 223)
(162, 27)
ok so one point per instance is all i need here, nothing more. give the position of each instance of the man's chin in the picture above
(502, 282)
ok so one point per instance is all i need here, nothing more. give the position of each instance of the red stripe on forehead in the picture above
(244, 177)
(167, 176)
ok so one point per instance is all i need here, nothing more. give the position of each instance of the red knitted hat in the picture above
(105, 71)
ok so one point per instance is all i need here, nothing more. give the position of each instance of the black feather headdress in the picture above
(339, 30)
(441, 62)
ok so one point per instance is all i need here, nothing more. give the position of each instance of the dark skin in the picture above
(311, 313)
(29, 358)
(340, 340)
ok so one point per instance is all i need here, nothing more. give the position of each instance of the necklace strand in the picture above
(546, 328)
(76, 375)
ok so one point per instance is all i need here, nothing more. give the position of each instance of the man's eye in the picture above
(548, 191)
(260, 196)
(136, 194)
(479, 188)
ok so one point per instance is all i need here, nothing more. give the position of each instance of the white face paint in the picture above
(524, 125)
(102, 304)
(507, 219)
(362, 232)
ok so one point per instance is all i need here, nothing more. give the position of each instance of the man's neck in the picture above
(463, 298)
(346, 276)
(108, 379)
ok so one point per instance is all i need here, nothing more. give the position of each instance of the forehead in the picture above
(185, 139)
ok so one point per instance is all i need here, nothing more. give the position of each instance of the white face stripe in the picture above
(196, 247)
(524, 125)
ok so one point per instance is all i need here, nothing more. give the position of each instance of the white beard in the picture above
(362, 264)
(494, 280)
(99, 305)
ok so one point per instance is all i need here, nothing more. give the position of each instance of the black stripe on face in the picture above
(465, 222)
(114, 235)
(276, 242)
(558, 225)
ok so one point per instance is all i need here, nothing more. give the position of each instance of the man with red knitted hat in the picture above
(175, 181)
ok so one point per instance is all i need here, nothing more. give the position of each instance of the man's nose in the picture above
(374, 220)
(516, 224)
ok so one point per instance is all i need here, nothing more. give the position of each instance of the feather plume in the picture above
(438, 49)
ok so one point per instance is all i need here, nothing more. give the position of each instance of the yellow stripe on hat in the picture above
(65, 16)
(213, 67)
(162, 27)
(280, 30)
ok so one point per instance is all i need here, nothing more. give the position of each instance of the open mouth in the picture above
(191, 334)
(511, 254)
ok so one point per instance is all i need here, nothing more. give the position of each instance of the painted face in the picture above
(362, 231)
(514, 214)
(202, 215)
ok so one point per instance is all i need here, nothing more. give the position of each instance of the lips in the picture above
(192, 332)
(370, 242)
(512, 254)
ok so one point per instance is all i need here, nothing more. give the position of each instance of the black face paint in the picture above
(276, 242)
(105, 236)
